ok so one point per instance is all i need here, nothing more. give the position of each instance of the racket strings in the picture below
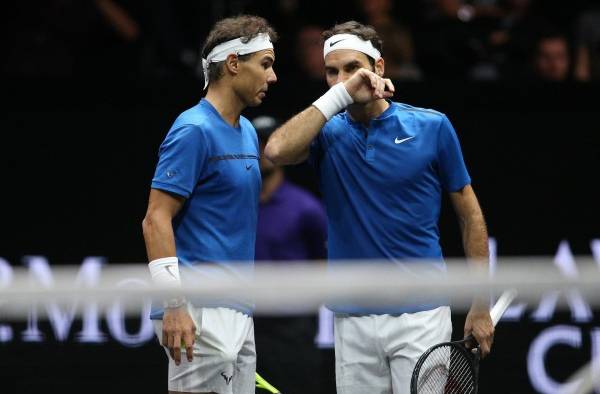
(460, 371)
(446, 370)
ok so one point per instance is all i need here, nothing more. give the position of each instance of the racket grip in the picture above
(500, 306)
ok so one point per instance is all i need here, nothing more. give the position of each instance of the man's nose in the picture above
(342, 77)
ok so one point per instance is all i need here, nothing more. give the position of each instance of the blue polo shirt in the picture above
(382, 187)
(214, 166)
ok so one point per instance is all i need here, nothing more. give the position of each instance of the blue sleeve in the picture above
(453, 171)
(182, 159)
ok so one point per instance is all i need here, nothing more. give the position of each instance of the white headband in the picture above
(350, 41)
(236, 47)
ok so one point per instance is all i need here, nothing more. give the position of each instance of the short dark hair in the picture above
(366, 32)
(245, 27)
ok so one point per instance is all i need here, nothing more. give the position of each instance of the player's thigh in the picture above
(245, 365)
(412, 335)
(220, 336)
(360, 366)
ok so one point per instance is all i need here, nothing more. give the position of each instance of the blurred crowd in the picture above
(482, 40)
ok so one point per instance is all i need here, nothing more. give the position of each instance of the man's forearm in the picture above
(291, 142)
(475, 239)
(159, 237)
(475, 243)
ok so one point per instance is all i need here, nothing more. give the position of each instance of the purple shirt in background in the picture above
(291, 226)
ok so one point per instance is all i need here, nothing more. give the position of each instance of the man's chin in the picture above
(255, 103)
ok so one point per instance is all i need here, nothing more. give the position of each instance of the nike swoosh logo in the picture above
(168, 268)
(249, 167)
(397, 141)
(335, 42)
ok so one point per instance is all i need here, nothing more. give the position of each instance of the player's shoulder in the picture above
(187, 131)
(403, 109)
(423, 120)
(197, 117)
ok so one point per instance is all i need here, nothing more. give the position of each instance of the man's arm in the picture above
(472, 225)
(290, 143)
(157, 226)
(475, 243)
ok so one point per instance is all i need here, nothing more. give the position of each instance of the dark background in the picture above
(78, 156)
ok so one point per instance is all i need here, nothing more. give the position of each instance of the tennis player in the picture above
(383, 166)
(202, 212)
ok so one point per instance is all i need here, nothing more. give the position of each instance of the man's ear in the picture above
(232, 64)
(380, 67)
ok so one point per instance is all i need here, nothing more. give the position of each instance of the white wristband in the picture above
(165, 271)
(334, 100)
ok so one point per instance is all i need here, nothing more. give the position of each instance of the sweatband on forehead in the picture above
(350, 41)
(235, 47)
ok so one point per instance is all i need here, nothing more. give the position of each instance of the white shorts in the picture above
(224, 354)
(376, 354)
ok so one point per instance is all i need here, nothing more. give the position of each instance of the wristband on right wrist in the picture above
(333, 101)
(165, 271)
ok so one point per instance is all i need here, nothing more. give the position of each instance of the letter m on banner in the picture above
(61, 318)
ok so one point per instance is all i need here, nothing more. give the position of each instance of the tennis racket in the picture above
(450, 367)
(261, 383)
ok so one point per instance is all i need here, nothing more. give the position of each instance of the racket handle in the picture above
(500, 307)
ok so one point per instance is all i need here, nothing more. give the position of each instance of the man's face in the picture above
(254, 77)
(343, 63)
(552, 60)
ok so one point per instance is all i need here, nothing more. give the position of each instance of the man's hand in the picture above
(178, 328)
(365, 86)
(479, 324)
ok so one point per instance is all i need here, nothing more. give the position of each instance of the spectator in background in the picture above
(291, 226)
(552, 59)
(513, 39)
(309, 52)
(453, 40)
(400, 57)
(470, 10)
(587, 62)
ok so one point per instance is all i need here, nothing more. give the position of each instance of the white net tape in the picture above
(299, 287)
